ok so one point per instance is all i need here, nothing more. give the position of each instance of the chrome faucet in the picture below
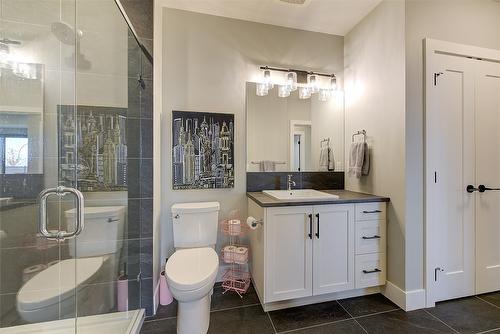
(291, 183)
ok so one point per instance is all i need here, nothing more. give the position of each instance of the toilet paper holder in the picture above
(254, 222)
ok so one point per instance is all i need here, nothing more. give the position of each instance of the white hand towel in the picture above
(323, 159)
(356, 159)
(267, 166)
(331, 160)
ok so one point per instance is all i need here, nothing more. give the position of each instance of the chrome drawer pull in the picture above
(374, 237)
(376, 270)
(374, 211)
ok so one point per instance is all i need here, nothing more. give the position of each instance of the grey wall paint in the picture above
(474, 22)
(375, 101)
(206, 63)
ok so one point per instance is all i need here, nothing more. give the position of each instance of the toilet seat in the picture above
(57, 282)
(191, 269)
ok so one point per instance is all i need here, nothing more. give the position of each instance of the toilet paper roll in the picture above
(241, 255)
(229, 252)
(252, 223)
(29, 272)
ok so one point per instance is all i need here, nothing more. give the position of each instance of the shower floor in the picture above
(116, 323)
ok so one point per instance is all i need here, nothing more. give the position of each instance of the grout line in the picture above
(488, 331)
(441, 321)
(159, 319)
(487, 302)
(315, 326)
(233, 308)
(211, 311)
(356, 321)
(272, 323)
(376, 313)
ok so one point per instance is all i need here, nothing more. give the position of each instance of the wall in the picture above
(206, 62)
(474, 22)
(375, 101)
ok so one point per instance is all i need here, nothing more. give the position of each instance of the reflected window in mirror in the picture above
(13, 151)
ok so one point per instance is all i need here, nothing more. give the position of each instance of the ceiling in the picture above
(336, 17)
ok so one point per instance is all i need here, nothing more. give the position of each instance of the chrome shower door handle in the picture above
(42, 221)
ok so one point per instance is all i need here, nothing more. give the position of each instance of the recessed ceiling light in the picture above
(294, 2)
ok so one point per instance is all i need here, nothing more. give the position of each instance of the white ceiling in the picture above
(336, 17)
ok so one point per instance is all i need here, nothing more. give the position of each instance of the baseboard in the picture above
(156, 297)
(407, 300)
(273, 306)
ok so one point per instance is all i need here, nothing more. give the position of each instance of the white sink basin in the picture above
(300, 195)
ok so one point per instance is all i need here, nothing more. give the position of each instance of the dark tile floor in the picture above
(369, 314)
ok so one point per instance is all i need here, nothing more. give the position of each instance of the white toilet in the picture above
(191, 271)
(50, 294)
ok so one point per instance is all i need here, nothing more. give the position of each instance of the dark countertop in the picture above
(345, 197)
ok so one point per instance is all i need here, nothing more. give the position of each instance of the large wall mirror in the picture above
(293, 134)
(21, 118)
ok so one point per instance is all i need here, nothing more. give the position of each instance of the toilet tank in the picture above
(195, 224)
(102, 233)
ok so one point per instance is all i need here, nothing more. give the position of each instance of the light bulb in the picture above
(267, 79)
(283, 91)
(261, 89)
(304, 93)
(324, 95)
(312, 80)
(333, 83)
(291, 81)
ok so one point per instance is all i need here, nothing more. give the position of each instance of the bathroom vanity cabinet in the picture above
(305, 254)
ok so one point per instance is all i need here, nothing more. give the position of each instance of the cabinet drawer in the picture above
(370, 211)
(370, 237)
(370, 270)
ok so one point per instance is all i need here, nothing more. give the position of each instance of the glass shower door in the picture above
(38, 53)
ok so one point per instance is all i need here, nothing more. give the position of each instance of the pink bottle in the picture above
(165, 294)
(122, 290)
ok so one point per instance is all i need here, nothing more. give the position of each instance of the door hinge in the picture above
(436, 75)
(436, 271)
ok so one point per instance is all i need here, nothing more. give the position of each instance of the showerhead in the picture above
(65, 33)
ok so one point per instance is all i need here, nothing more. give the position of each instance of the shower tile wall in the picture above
(140, 150)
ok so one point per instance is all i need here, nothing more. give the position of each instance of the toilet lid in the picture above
(190, 269)
(57, 282)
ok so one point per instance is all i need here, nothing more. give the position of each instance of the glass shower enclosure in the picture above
(70, 77)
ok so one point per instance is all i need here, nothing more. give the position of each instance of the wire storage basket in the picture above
(236, 278)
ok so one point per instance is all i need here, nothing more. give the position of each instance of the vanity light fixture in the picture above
(324, 95)
(307, 82)
(262, 89)
(291, 81)
(304, 93)
(312, 81)
(267, 79)
(283, 91)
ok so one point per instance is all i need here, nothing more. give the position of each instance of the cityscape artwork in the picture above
(202, 150)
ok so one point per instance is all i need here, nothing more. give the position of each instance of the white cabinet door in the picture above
(488, 174)
(288, 253)
(333, 248)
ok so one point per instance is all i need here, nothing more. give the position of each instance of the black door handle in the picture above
(317, 222)
(470, 188)
(310, 226)
(374, 237)
(482, 188)
(376, 270)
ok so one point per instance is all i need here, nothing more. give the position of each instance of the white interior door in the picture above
(488, 174)
(450, 168)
